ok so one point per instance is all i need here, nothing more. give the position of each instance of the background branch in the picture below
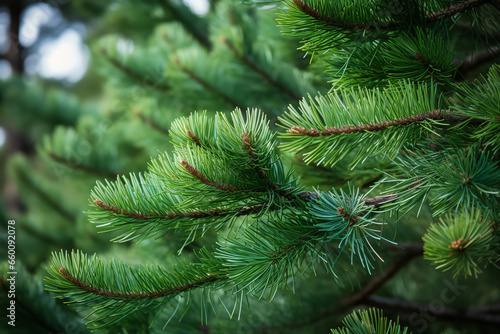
(446, 314)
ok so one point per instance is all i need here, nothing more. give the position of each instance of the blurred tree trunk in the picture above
(15, 53)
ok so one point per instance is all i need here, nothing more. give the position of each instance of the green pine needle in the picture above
(352, 109)
(115, 290)
(462, 243)
(371, 321)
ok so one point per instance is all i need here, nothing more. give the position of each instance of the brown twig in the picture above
(247, 142)
(171, 215)
(193, 137)
(245, 210)
(197, 174)
(454, 9)
(372, 127)
(373, 201)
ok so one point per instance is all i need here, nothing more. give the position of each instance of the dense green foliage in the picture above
(389, 115)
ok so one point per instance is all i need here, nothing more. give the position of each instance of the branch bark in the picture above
(471, 62)
(410, 251)
(443, 314)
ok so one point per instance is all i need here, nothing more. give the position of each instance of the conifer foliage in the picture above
(412, 88)
(398, 95)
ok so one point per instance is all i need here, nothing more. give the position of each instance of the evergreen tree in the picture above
(393, 114)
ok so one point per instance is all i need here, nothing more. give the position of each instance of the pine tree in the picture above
(223, 236)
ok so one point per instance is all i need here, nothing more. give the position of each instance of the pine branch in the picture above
(306, 9)
(405, 111)
(390, 25)
(197, 129)
(162, 87)
(373, 127)
(260, 172)
(470, 63)
(204, 180)
(115, 290)
(193, 137)
(358, 298)
(142, 216)
(444, 314)
(455, 9)
(461, 177)
(207, 85)
(372, 201)
(150, 122)
(151, 294)
(257, 68)
(243, 211)
(410, 252)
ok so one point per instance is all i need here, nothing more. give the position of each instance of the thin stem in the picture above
(455, 9)
(247, 142)
(153, 294)
(245, 210)
(257, 68)
(171, 215)
(197, 174)
(379, 200)
(193, 137)
(374, 201)
(374, 127)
